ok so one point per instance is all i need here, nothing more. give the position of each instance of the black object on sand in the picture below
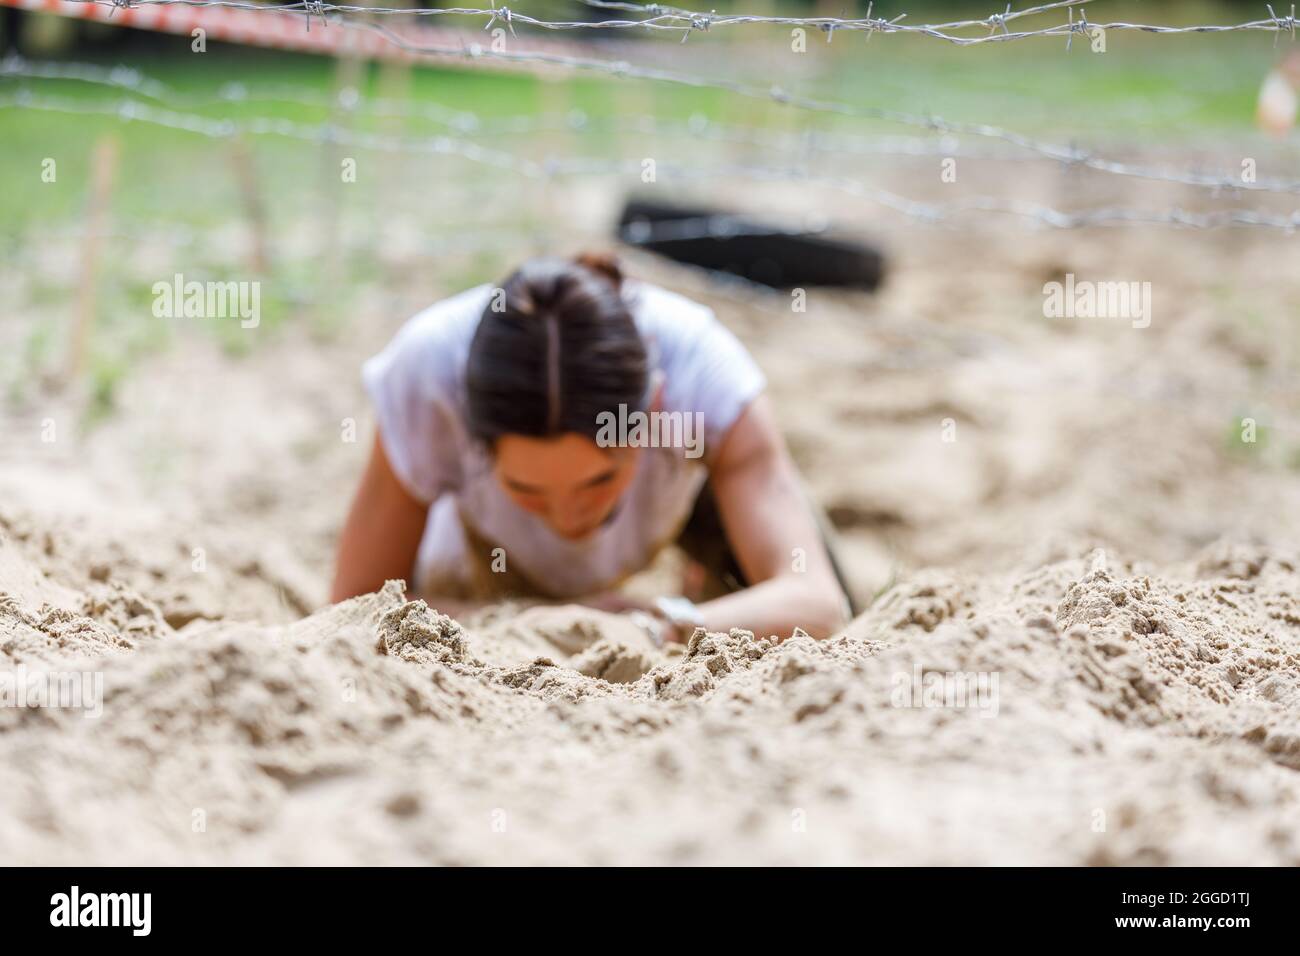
(760, 252)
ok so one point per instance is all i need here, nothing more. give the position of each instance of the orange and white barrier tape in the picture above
(281, 29)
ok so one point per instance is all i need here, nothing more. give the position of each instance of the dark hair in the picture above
(555, 347)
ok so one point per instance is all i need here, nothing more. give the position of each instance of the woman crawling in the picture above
(547, 438)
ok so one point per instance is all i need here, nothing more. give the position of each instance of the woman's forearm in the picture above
(381, 534)
(777, 606)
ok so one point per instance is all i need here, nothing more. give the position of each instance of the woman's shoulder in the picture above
(448, 320)
(425, 359)
(674, 327)
(654, 306)
(436, 340)
(706, 368)
(682, 334)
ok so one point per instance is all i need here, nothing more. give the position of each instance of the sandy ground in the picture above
(1094, 546)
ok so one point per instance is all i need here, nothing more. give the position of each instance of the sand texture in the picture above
(1137, 720)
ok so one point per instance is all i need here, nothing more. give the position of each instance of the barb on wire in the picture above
(999, 20)
(697, 22)
(313, 8)
(504, 13)
(1080, 26)
(134, 110)
(1283, 24)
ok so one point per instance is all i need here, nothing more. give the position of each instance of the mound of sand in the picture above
(1114, 715)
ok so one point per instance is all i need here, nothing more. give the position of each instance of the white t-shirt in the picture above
(417, 385)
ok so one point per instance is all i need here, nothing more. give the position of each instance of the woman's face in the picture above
(569, 482)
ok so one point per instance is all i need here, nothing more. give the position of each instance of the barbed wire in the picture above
(696, 20)
(135, 110)
(658, 17)
(467, 121)
(697, 126)
(467, 237)
(1070, 155)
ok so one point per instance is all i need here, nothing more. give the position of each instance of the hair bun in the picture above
(602, 263)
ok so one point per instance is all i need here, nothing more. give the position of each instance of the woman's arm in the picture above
(382, 533)
(766, 517)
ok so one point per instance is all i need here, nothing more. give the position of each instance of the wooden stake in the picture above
(349, 75)
(554, 101)
(251, 196)
(103, 168)
(390, 201)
